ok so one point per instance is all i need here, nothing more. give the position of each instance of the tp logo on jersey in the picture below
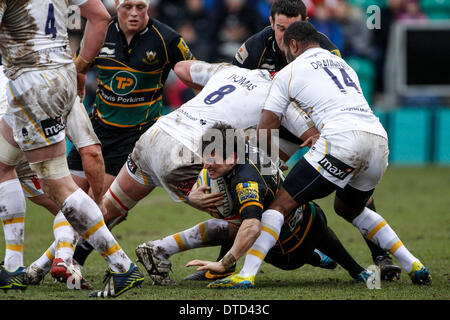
(123, 82)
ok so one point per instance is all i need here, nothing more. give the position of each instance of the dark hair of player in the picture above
(228, 137)
(303, 32)
(289, 8)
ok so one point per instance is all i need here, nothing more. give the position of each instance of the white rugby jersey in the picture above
(233, 96)
(34, 34)
(3, 98)
(327, 89)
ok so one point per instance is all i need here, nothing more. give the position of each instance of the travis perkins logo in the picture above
(335, 167)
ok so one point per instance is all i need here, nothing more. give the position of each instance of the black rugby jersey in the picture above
(261, 51)
(131, 76)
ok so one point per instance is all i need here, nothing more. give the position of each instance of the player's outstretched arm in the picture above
(245, 238)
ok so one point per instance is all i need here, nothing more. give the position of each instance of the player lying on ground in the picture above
(302, 232)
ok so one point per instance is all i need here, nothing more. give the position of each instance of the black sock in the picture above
(332, 247)
(82, 250)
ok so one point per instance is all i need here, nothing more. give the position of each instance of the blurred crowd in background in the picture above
(215, 29)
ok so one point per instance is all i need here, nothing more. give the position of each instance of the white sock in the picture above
(46, 260)
(373, 227)
(86, 218)
(271, 223)
(12, 215)
(65, 238)
(207, 233)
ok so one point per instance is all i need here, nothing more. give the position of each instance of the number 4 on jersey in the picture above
(50, 27)
(347, 80)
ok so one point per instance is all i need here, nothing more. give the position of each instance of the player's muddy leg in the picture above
(121, 196)
(374, 228)
(331, 246)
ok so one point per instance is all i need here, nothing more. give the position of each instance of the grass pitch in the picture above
(414, 201)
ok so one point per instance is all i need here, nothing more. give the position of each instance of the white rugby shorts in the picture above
(38, 102)
(357, 158)
(158, 159)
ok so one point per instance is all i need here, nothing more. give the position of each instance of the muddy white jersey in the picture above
(232, 96)
(33, 34)
(327, 89)
(3, 98)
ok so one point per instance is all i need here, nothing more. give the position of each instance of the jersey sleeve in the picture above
(326, 43)
(249, 197)
(202, 71)
(2, 10)
(278, 98)
(249, 54)
(178, 51)
(78, 2)
(296, 121)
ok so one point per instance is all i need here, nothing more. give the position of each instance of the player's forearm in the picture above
(268, 121)
(96, 27)
(249, 231)
(94, 169)
(183, 71)
(93, 39)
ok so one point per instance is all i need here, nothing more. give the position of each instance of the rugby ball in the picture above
(217, 185)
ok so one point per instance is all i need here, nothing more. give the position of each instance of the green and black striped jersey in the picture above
(131, 76)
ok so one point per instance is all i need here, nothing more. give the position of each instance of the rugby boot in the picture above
(233, 282)
(69, 274)
(325, 261)
(35, 275)
(419, 274)
(115, 283)
(388, 269)
(15, 280)
(158, 268)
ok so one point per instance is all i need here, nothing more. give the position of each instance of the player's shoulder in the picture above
(327, 44)
(164, 30)
(260, 40)
(245, 172)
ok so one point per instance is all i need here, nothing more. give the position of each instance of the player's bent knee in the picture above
(346, 212)
(10, 154)
(284, 203)
(52, 169)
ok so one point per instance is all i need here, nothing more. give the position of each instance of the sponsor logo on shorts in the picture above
(131, 165)
(247, 191)
(335, 167)
(52, 127)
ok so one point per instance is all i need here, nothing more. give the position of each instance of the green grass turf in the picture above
(414, 201)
